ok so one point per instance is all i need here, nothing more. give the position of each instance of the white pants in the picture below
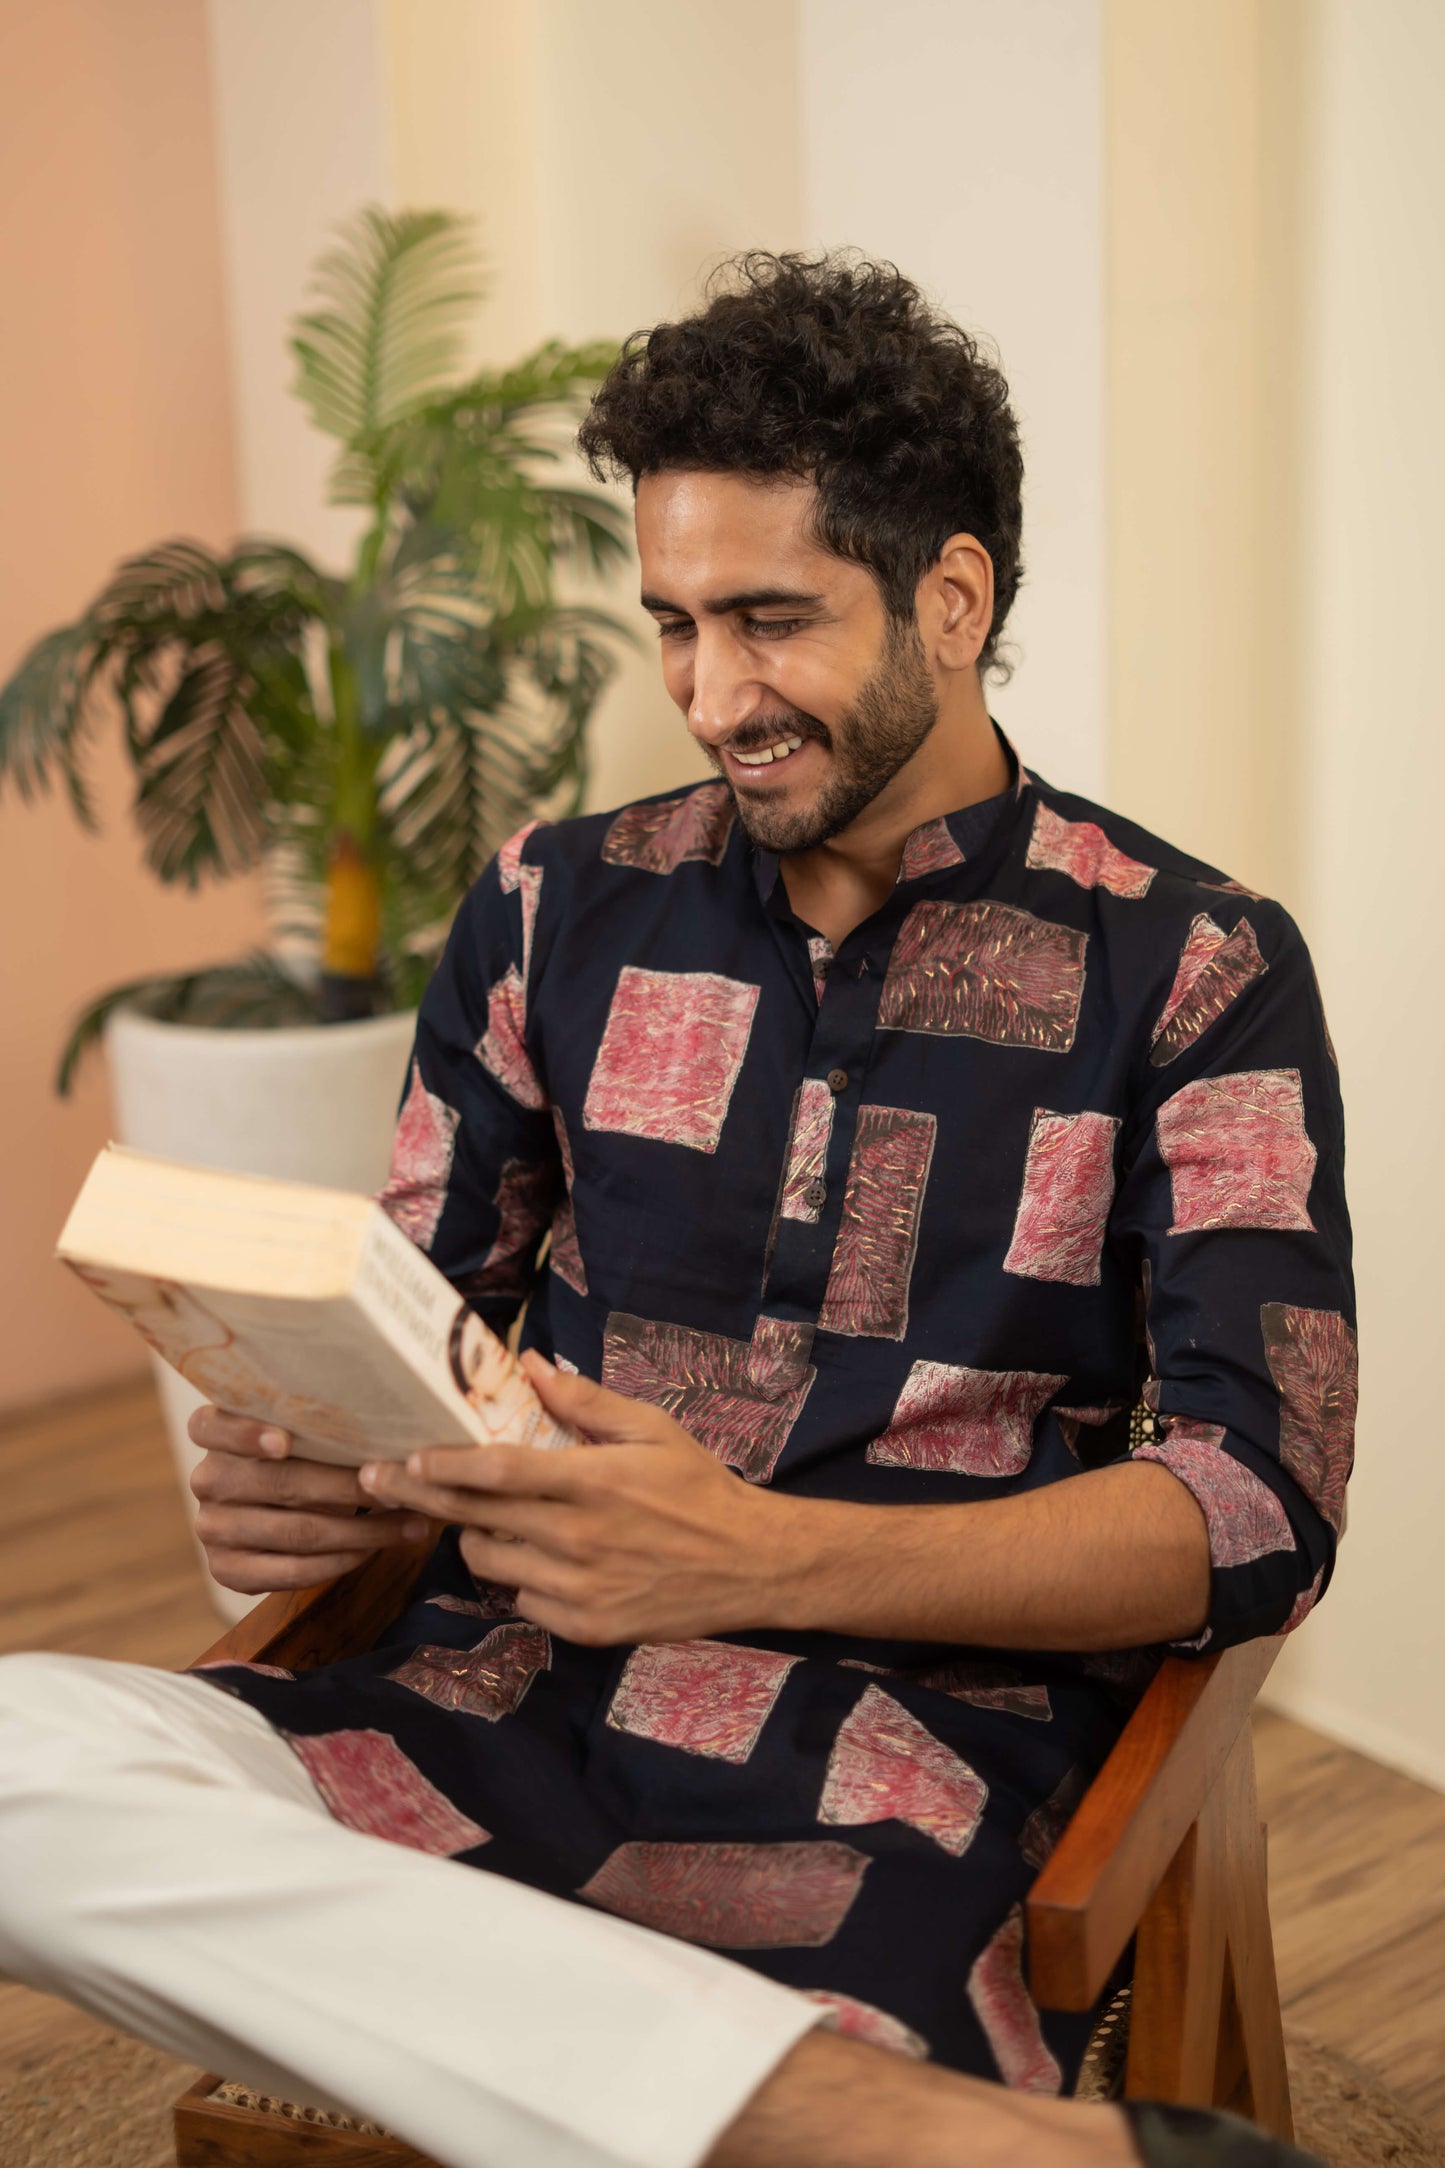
(166, 1862)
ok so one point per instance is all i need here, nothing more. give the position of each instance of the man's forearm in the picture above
(1113, 1558)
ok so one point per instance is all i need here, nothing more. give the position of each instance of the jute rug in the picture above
(107, 2105)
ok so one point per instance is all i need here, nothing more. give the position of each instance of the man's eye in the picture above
(771, 628)
(674, 628)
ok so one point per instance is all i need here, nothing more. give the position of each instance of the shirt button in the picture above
(837, 1080)
(815, 1196)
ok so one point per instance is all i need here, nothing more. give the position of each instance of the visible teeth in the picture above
(769, 752)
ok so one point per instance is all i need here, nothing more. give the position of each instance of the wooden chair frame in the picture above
(1166, 1849)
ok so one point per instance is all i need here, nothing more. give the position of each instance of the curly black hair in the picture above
(836, 369)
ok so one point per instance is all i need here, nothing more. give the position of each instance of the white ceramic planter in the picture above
(315, 1104)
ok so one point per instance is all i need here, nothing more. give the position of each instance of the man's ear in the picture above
(955, 603)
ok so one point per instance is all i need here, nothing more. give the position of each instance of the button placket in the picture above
(838, 1056)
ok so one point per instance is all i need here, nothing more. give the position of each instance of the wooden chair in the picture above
(1166, 1848)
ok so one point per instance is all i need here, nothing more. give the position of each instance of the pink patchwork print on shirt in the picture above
(502, 1048)
(820, 956)
(489, 1680)
(887, 1767)
(1068, 1188)
(778, 1356)
(514, 875)
(864, 2021)
(706, 1381)
(1304, 1603)
(1313, 1357)
(1238, 1152)
(985, 971)
(509, 857)
(490, 1601)
(930, 849)
(1006, 2011)
(867, 1291)
(967, 1422)
(1044, 1827)
(370, 1785)
(1083, 851)
(523, 1200)
(812, 1126)
(530, 882)
(670, 1056)
(660, 837)
(704, 1697)
(1072, 1420)
(987, 1686)
(733, 1896)
(1214, 969)
(1244, 1518)
(421, 1163)
(565, 1256)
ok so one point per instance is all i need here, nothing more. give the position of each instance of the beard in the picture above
(879, 734)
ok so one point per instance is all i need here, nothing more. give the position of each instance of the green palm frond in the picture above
(586, 527)
(415, 711)
(395, 298)
(456, 454)
(551, 376)
(171, 585)
(200, 801)
(45, 712)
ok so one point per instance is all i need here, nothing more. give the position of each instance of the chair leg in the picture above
(1205, 2029)
(1178, 1979)
(1253, 2014)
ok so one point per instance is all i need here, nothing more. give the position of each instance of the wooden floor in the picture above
(95, 1557)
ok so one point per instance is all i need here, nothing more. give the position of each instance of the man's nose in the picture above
(724, 695)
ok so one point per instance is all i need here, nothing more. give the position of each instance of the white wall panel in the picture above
(964, 141)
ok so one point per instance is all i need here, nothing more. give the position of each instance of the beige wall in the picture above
(299, 99)
(114, 432)
(1277, 311)
(612, 155)
(1202, 182)
(1369, 1667)
(964, 141)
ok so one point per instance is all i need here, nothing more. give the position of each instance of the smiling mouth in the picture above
(765, 755)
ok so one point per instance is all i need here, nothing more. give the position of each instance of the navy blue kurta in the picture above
(1055, 1133)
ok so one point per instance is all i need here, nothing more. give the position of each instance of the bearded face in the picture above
(862, 750)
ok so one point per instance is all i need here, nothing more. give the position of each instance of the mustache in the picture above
(766, 729)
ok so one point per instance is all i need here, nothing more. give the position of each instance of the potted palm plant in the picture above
(368, 738)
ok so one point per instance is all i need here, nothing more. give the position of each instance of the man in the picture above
(900, 1124)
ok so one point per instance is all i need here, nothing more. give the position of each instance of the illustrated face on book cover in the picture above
(478, 1359)
(483, 1369)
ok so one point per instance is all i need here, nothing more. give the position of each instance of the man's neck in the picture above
(960, 763)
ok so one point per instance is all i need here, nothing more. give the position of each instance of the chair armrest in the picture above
(314, 1626)
(1135, 1815)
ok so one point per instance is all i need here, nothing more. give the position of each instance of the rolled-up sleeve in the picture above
(1233, 1189)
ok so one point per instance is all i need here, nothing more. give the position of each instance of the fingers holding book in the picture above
(270, 1519)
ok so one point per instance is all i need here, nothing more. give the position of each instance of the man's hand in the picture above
(643, 1536)
(268, 1519)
